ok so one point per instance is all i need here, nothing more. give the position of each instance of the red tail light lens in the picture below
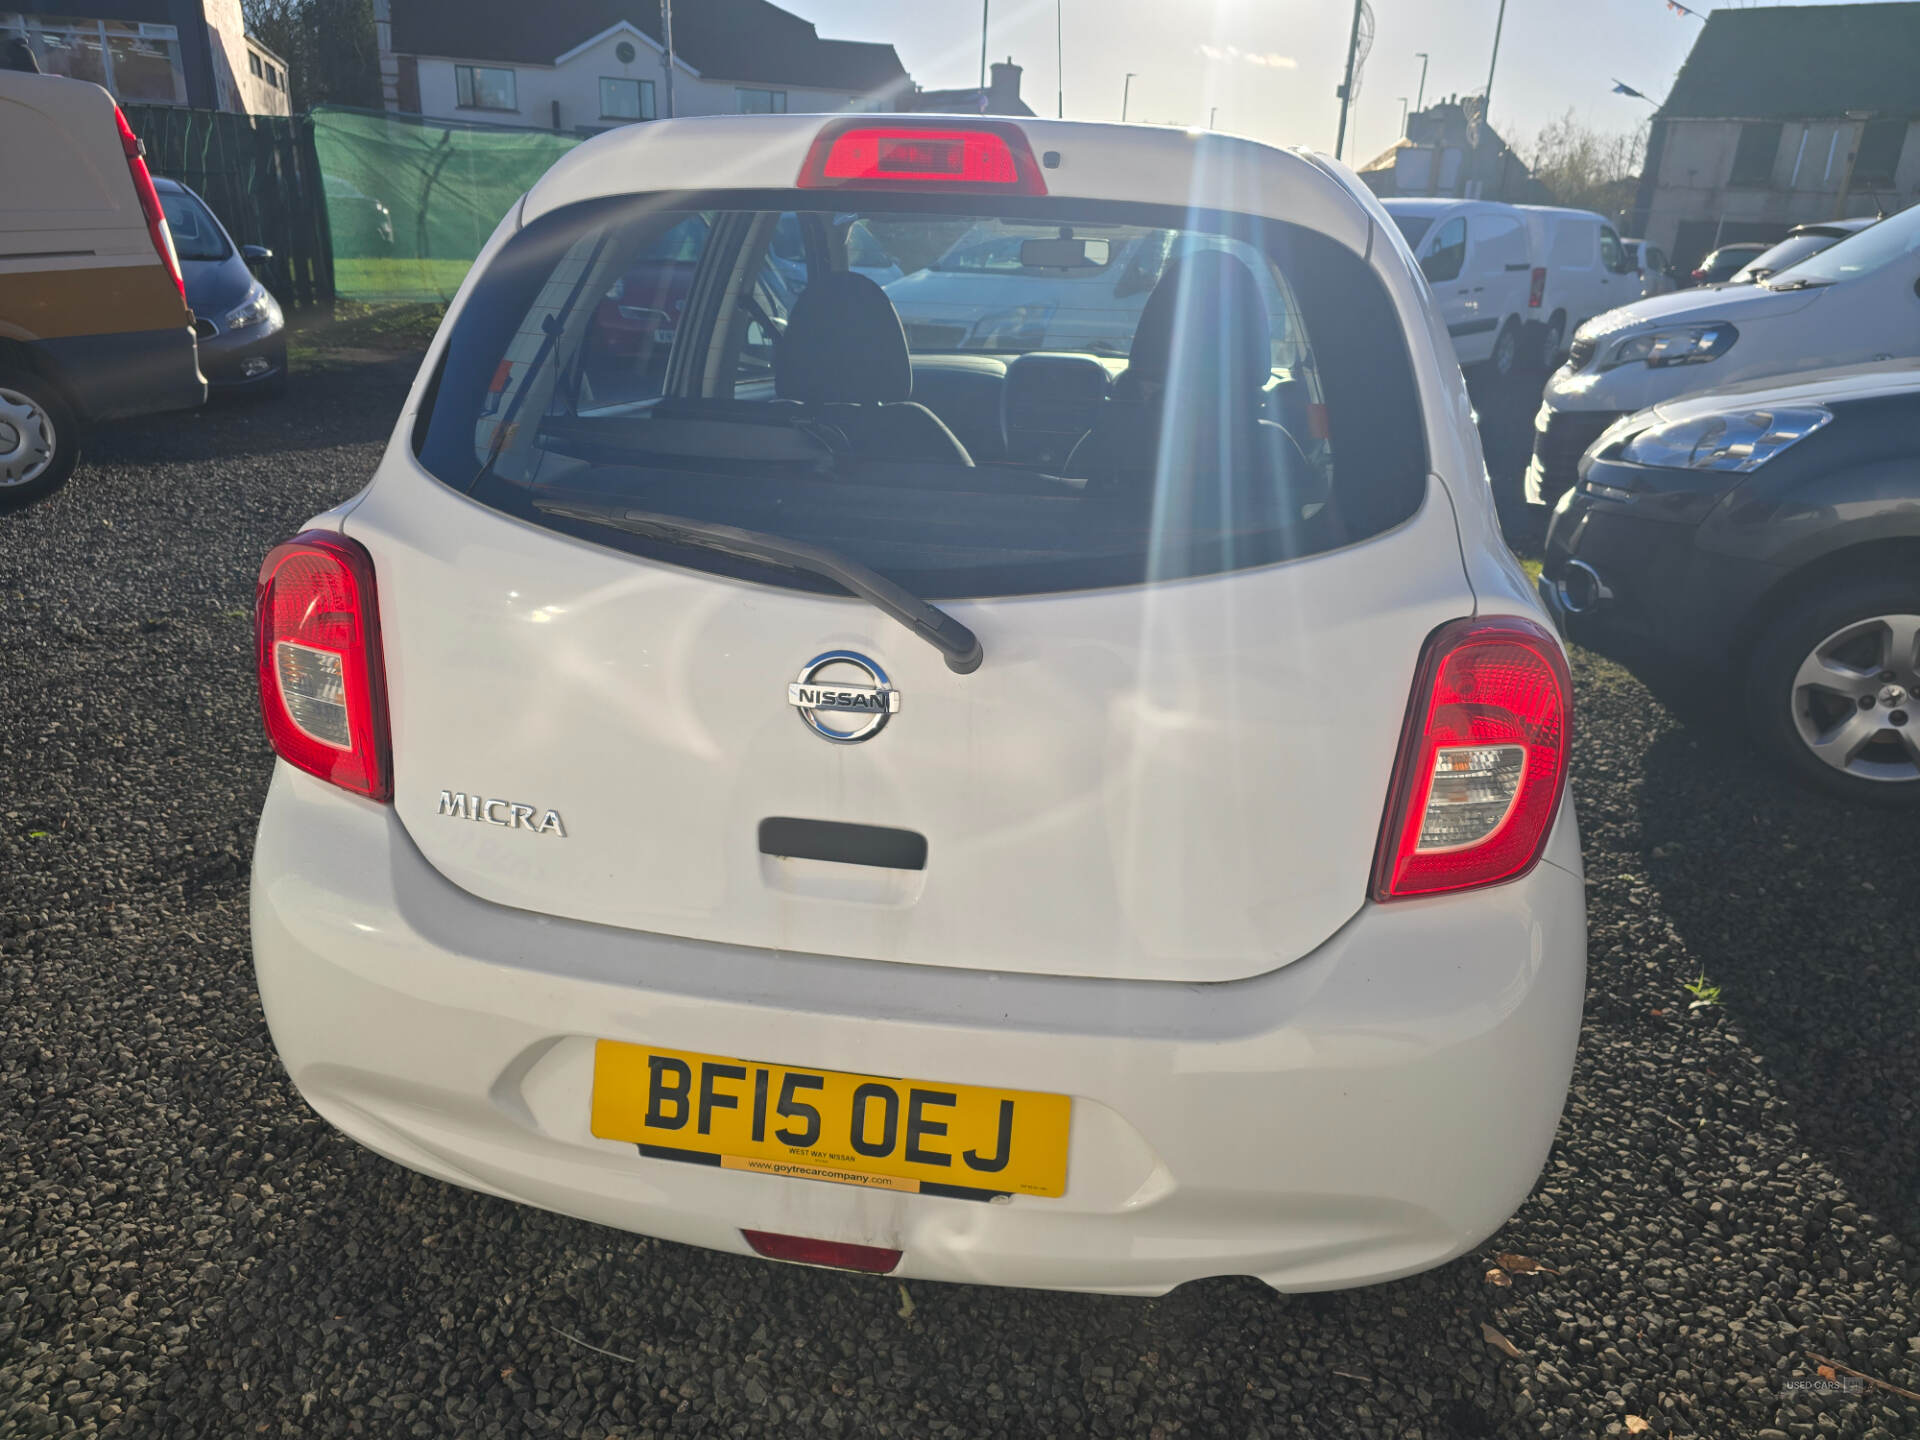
(1482, 761)
(869, 1259)
(323, 689)
(906, 156)
(1537, 287)
(157, 230)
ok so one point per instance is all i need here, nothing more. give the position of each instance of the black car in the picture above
(1769, 533)
(243, 338)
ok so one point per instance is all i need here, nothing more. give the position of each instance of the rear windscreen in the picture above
(978, 397)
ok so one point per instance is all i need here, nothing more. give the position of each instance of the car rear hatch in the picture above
(1170, 763)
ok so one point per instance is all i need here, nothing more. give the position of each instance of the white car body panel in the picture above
(1157, 904)
(1872, 317)
(1579, 284)
(1367, 1113)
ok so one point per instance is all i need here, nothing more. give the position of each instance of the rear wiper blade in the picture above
(932, 624)
(1797, 284)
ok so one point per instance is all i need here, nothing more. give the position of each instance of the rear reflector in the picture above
(868, 1259)
(317, 646)
(989, 156)
(1482, 761)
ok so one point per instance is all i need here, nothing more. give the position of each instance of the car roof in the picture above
(1094, 161)
(1423, 204)
(1834, 227)
(1733, 246)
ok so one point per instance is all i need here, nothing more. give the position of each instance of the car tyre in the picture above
(1505, 359)
(1551, 335)
(39, 438)
(1833, 689)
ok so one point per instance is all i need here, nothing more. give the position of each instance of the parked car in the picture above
(1723, 264)
(1188, 811)
(1802, 243)
(93, 314)
(1847, 305)
(1583, 272)
(1769, 532)
(1476, 257)
(359, 224)
(243, 335)
(1656, 270)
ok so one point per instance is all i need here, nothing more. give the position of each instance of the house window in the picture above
(760, 102)
(253, 62)
(481, 87)
(1880, 146)
(273, 77)
(1754, 155)
(137, 63)
(625, 99)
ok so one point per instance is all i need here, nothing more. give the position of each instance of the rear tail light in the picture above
(1700, 276)
(157, 230)
(869, 1259)
(323, 689)
(1482, 761)
(989, 156)
(1537, 287)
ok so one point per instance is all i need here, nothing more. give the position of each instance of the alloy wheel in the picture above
(1856, 699)
(27, 438)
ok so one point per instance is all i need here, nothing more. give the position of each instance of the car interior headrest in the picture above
(843, 345)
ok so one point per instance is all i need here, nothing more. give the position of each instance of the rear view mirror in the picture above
(254, 254)
(1064, 254)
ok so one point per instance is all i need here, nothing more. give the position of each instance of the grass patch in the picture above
(322, 340)
(388, 278)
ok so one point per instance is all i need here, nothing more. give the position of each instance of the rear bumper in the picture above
(139, 372)
(1369, 1111)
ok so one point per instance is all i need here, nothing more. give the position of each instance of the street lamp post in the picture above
(666, 41)
(1403, 115)
(1059, 60)
(1126, 93)
(1420, 95)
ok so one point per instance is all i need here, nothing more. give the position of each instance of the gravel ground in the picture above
(186, 1251)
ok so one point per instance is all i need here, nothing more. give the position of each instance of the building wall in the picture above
(210, 43)
(576, 85)
(1809, 170)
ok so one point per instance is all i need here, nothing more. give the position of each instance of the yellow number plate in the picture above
(911, 1135)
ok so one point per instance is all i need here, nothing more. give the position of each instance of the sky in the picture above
(1270, 66)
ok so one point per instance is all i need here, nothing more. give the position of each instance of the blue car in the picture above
(243, 337)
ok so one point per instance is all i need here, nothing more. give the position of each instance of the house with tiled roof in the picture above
(1780, 116)
(593, 64)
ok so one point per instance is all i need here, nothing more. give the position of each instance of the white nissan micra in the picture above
(978, 799)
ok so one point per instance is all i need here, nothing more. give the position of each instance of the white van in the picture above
(1585, 271)
(94, 322)
(1852, 304)
(1478, 259)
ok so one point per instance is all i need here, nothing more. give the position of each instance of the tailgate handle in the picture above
(848, 844)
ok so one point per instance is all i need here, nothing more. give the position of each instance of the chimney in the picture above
(1003, 90)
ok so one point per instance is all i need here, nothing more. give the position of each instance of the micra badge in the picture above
(508, 814)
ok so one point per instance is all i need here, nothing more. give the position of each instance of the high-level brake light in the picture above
(322, 678)
(1482, 762)
(149, 198)
(990, 156)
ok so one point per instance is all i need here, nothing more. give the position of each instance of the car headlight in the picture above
(1690, 345)
(1735, 440)
(259, 308)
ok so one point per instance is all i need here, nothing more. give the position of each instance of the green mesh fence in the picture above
(411, 201)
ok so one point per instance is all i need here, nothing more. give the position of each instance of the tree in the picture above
(1585, 168)
(328, 46)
